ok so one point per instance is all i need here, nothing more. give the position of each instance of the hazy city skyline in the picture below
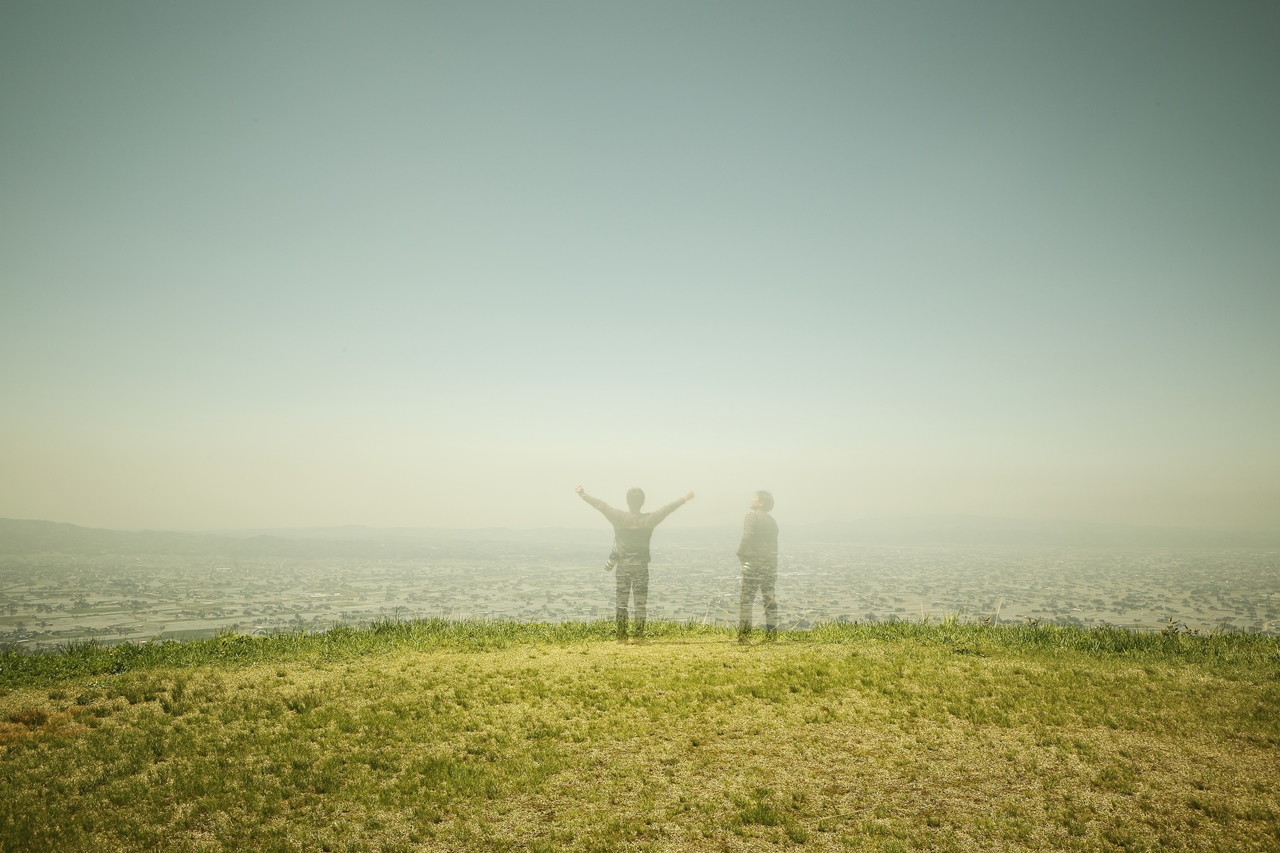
(276, 265)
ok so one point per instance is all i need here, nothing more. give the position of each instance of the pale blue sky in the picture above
(401, 264)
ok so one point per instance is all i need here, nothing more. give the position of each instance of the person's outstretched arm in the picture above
(657, 516)
(607, 511)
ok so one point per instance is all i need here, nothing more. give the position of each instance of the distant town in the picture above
(50, 598)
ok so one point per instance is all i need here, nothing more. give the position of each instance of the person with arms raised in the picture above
(632, 531)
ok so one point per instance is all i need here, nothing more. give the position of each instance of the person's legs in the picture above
(750, 582)
(622, 589)
(769, 580)
(640, 592)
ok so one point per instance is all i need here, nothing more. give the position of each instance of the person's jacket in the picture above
(759, 537)
(632, 530)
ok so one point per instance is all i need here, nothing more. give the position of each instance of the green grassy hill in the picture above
(446, 736)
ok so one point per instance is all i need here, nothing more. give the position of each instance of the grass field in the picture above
(503, 736)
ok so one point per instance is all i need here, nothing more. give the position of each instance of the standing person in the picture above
(631, 533)
(759, 555)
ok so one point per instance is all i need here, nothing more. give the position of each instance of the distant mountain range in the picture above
(961, 530)
(32, 537)
(37, 537)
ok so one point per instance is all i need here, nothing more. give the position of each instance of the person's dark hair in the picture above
(766, 500)
(635, 499)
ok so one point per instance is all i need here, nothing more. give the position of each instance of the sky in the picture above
(435, 264)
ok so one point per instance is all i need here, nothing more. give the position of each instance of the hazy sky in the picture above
(268, 264)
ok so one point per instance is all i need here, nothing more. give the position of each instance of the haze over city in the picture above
(275, 265)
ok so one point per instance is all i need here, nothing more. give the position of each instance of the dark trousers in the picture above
(759, 575)
(632, 581)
